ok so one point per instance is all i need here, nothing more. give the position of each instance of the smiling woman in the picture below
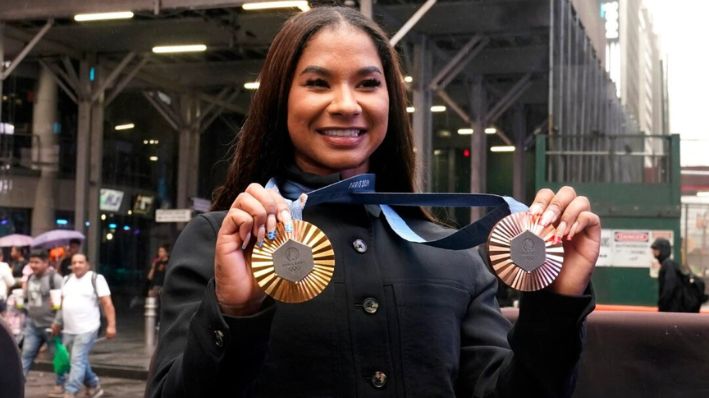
(396, 317)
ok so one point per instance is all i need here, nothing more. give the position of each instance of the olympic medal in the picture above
(523, 254)
(294, 267)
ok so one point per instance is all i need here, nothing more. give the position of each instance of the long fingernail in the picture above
(271, 224)
(288, 226)
(535, 209)
(246, 241)
(573, 231)
(260, 235)
(560, 230)
(547, 218)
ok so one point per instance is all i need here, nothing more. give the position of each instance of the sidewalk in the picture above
(121, 363)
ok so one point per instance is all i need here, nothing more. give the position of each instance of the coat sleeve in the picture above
(200, 352)
(669, 282)
(537, 357)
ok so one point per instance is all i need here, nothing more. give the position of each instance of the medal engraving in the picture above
(293, 261)
(523, 254)
(527, 251)
(294, 267)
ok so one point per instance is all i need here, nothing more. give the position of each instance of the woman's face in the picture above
(338, 105)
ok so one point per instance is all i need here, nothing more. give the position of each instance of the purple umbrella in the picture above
(15, 240)
(56, 237)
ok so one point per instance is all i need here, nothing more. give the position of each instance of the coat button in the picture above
(219, 338)
(379, 379)
(370, 305)
(359, 246)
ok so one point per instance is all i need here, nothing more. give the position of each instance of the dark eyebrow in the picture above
(318, 70)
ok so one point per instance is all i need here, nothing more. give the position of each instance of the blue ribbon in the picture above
(360, 190)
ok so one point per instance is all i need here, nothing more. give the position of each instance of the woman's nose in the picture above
(344, 102)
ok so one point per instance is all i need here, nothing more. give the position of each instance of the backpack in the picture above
(691, 292)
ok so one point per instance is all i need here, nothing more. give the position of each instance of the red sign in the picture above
(632, 236)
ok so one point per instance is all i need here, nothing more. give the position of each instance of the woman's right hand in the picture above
(253, 214)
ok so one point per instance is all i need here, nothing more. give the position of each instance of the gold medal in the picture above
(296, 266)
(523, 254)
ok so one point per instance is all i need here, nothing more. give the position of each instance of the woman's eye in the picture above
(371, 83)
(316, 83)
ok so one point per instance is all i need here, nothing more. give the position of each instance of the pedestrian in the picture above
(398, 318)
(156, 275)
(65, 265)
(7, 281)
(40, 312)
(17, 262)
(670, 285)
(80, 319)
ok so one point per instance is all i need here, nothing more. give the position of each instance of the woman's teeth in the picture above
(342, 133)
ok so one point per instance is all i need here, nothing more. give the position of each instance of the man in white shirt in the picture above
(81, 318)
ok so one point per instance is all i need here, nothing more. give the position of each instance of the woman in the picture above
(156, 275)
(398, 318)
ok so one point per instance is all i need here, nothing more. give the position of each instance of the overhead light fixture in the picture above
(408, 79)
(465, 131)
(103, 16)
(252, 85)
(126, 126)
(490, 130)
(438, 108)
(502, 148)
(410, 109)
(269, 5)
(153, 158)
(180, 48)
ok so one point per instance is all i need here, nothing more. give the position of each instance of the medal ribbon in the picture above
(360, 190)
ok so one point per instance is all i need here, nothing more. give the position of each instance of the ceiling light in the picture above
(438, 108)
(103, 16)
(126, 126)
(181, 48)
(408, 79)
(269, 5)
(252, 85)
(153, 158)
(502, 148)
(465, 131)
(490, 130)
(410, 109)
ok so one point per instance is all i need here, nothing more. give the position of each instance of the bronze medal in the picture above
(523, 254)
(294, 267)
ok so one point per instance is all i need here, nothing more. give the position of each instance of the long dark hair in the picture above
(264, 148)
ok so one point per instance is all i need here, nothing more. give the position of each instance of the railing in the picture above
(607, 159)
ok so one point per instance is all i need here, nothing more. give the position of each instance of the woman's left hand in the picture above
(580, 232)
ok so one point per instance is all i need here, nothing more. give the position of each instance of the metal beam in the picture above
(162, 110)
(454, 105)
(475, 17)
(458, 62)
(204, 124)
(21, 56)
(223, 104)
(112, 77)
(39, 9)
(411, 22)
(126, 79)
(55, 47)
(59, 81)
(509, 98)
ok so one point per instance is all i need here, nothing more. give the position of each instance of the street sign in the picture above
(173, 215)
